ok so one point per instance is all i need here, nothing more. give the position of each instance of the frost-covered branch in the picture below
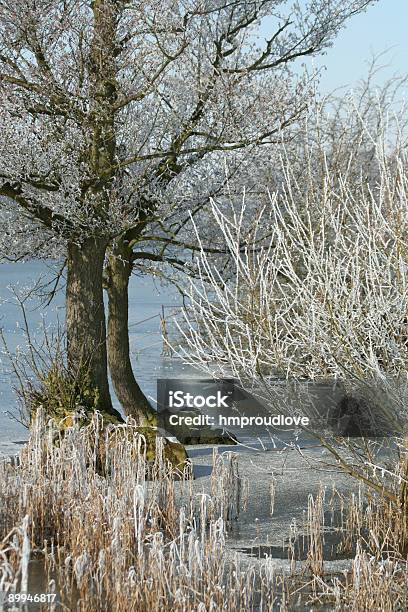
(113, 109)
(326, 297)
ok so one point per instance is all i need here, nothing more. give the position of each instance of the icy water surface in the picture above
(147, 303)
(145, 308)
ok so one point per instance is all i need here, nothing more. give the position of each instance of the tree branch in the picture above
(43, 214)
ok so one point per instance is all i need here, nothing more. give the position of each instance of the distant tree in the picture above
(114, 118)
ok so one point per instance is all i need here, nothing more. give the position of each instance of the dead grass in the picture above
(132, 537)
(119, 541)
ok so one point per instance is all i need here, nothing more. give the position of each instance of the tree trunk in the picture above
(85, 317)
(130, 395)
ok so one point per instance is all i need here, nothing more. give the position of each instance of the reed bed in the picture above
(371, 530)
(116, 532)
(109, 530)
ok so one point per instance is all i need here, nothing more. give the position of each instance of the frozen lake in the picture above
(146, 301)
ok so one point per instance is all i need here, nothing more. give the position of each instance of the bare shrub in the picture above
(323, 301)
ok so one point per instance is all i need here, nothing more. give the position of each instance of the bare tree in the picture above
(111, 110)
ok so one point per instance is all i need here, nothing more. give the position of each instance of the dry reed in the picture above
(115, 532)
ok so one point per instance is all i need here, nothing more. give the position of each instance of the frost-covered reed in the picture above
(115, 532)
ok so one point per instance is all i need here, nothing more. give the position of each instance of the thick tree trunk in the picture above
(130, 395)
(85, 317)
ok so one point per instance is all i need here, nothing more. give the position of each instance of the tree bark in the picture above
(130, 395)
(85, 317)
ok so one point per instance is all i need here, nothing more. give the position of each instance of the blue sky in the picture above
(383, 26)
